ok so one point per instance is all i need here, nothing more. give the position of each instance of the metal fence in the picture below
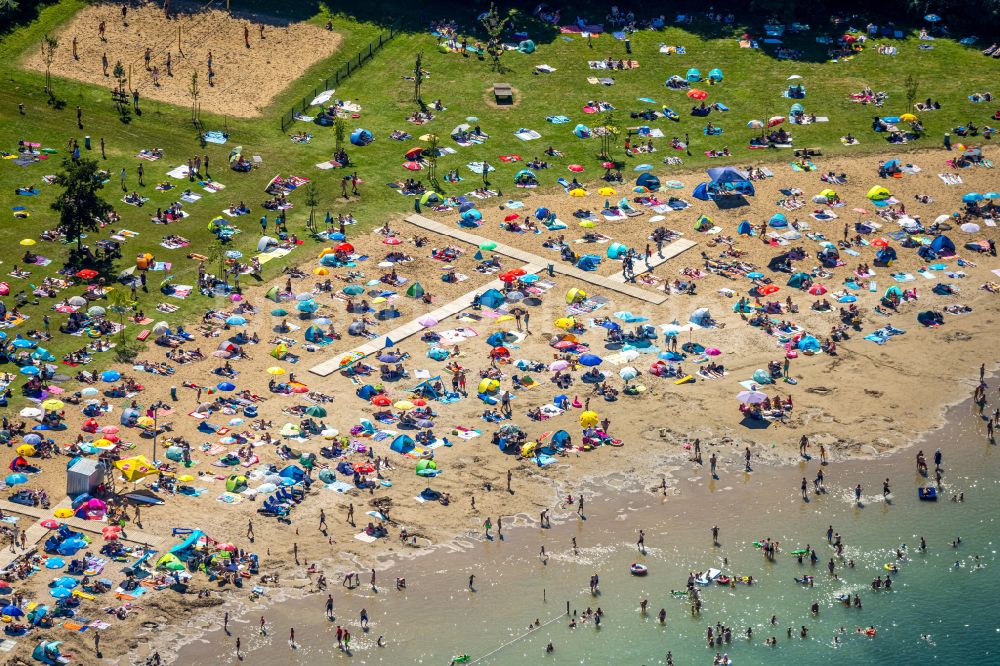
(338, 77)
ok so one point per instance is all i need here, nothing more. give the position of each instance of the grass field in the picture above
(752, 89)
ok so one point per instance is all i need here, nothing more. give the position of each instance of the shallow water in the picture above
(437, 617)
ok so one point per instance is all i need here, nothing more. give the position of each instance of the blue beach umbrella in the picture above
(972, 197)
(110, 376)
(15, 479)
(29, 370)
(590, 360)
(226, 386)
(236, 321)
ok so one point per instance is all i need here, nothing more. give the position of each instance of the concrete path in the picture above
(669, 252)
(615, 283)
(413, 327)
(35, 533)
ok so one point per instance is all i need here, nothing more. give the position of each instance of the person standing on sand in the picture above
(75, 55)
(101, 28)
(104, 63)
(329, 606)
(715, 535)
(885, 488)
(712, 462)
(322, 520)
(487, 526)
(857, 494)
(805, 489)
(246, 35)
(350, 513)
(642, 542)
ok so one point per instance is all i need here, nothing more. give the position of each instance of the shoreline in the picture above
(459, 546)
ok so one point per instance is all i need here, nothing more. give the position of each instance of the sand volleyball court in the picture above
(246, 79)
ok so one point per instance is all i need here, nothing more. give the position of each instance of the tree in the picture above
(49, 46)
(494, 25)
(418, 77)
(912, 87)
(80, 207)
(339, 132)
(194, 92)
(610, 134)
(120, 303)
(217, 252)
(312, 200)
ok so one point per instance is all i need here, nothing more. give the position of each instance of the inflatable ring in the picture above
(638, 570)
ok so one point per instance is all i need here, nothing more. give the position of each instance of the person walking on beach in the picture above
(712, 461)
(364, 619)
(238, 655)
(857, 494)
(579, 505)
(715, 535)
(885, 488)
(472, 580)
(97, 636)
(805, 489)
(246, 35)
(340, 636)
(510, 475)
(350, 514)
(487, 526)
(373, 580)
(322, 520)
(329, 606)
(642, 542)
(746, 454)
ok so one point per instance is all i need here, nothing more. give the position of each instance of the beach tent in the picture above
(703, 223)
(648, 181)
(527, 46)
(366, 392)
(799, 280)
(588, 262)
(426, 390)
(894, 290)
(361, 137)
(693, 75)
(524, 173)
(778, 221)
(930, 318)
(701, 192)
(402, 444)
(471, 218)
(616, 250)
(561, 438)
(884, 256)
(415, 290)
(236, 483)
(878, 193)
(273, 294)
(744, 228)
(315, 334)
(715, 75)
(726, 180)
(430, 198)
(293, 472)
(796, 110)
(492, 298)
(808, 343)
(943, 246)
(701, 317)
(582, 131)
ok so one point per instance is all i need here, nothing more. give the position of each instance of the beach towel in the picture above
(527, 134)
(216, 136)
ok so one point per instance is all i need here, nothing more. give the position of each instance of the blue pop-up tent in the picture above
(492, 298)
(361, 137)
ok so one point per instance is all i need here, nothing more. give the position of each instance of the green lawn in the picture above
(752, 88)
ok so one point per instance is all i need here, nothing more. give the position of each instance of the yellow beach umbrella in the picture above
(28, 241)
(52, 404)
(184, 478)
(275, 370)
(587, 224)
(607, 192)
(578, 192)
(404, 405)
(102, 443)
(145, 422)
(320, 270)
(588, 419)
(63, 513)
(908, 118)
(565, 323)
(135, 468)
(379, 299)
(26, 450)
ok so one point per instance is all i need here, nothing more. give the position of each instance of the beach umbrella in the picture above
(530, 279)
(307, 307)
(970, 227)
(817, 290)
(29, 370)
(55, 562)
(111, 532)
(972, 197)
(381, 400)
(236, 321)
(880, 242)
(52, 404)
(565, 323)
(354, 290)
(578, 192)
(12, 611)
(695, 93)
(590, 360)
(389, 357)
(628, 373)
(932, 18)
(607, 192)
(670, 330)
(488, 245)
(60, 592)
(769, 289)
(992, 195)
(751, 397)
(86, 274)
(775, 120)
(226, 386)
(63, 512)
(110, 376)
(713, 351)
(427, 321)
(575, 168)
(77, 301)
(404, 405)
(588, 419)
(28, 241)
(90, 390)
(316, 411)
(556, 366)
(23, 343)
(756, 124)
(15, 479)
(96, 311)
(110, 430)
(30, 412)
(50, 524)
(275, 370)
(392, 240)
(629, 355)
(510, 217)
